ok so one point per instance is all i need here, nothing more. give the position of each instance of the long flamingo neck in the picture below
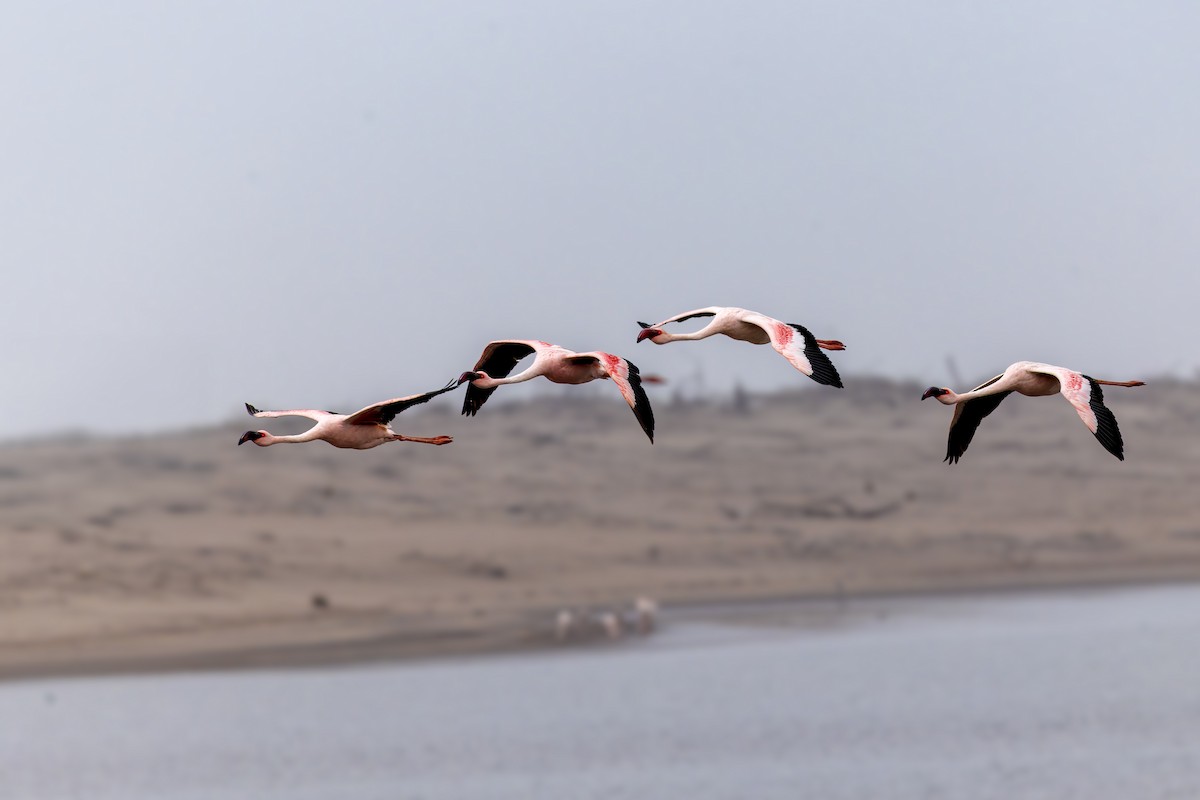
(271, 438)
(488, 382)
(695, 336)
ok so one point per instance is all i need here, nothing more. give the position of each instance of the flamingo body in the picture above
(558, 365)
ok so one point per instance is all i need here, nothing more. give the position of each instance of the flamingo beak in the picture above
(933, 391)
(468, 376)
(648, 333)
(249, 436)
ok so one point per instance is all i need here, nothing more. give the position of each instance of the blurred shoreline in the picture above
(184, 551)
(312, 650)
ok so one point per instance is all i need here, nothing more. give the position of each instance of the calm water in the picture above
(1088, 695)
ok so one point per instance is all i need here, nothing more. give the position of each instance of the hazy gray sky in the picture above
(315, 204)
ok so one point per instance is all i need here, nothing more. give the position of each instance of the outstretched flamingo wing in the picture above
(967, 416)
(310, 413)
(498, 360)
(797, 344)
(628, 379)
(1087, 398)
(711, 311)
(383, 413)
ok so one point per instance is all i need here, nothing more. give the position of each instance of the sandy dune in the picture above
(184, 549)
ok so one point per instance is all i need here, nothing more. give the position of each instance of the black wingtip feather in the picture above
(824, 372)
(641, 407)
(386, 413)
(474, 400)
(962, 430)
(1107, 431)
(498, 364)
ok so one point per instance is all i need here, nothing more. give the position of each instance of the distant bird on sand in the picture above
(793, 342)
(609, 623)
(564, 624)
(556, 364)
(1033, 380)
(645, 614)
(361, 430)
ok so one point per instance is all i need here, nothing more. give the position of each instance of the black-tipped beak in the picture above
(467, 376)
(648, 333)
(249, 436)
(932, 391)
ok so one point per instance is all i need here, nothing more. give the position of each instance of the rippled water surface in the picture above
(1071, 695)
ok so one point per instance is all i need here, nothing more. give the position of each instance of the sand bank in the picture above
(183, 550)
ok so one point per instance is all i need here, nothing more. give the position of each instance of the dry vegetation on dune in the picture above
(184, 548)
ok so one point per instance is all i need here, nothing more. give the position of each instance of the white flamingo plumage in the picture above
(556, 364)
(1032, 379)
(792, 341)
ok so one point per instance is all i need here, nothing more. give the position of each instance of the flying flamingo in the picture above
(803, 351)
(1032, 380)
(361, 430)
(558, 365)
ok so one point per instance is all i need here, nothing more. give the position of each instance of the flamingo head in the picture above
(253, 436)
(470, 376)
(648, 332)
(934, 391)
